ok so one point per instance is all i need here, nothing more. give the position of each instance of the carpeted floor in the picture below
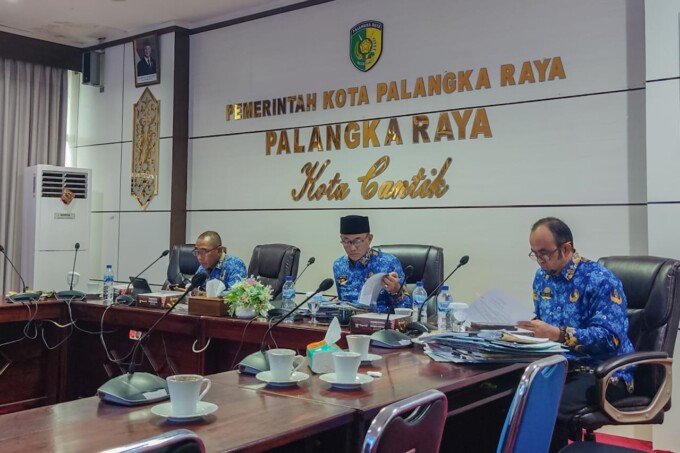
(641, 445)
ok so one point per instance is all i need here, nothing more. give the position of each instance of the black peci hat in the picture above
(354, 224)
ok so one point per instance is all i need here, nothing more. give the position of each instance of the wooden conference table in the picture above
(251, 416)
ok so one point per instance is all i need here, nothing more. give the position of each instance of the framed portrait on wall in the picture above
(147, 59)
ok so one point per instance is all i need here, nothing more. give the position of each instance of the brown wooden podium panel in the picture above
(31, 373)
(244, 421)
(167, 351)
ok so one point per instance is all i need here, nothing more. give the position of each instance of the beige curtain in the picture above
(33, 101)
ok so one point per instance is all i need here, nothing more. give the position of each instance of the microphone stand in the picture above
(309, 263)
(126, 299)
(390, 338)
(72, 295)
(136, 388)
(257, 361)
(21, 296)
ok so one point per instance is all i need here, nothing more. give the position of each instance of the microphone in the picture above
(390, 338)
(70, 294)
(257, 361)
(126, 299)
(419, 326)
(22, 296)
(133, 389)
(75, 256)
(309, 263)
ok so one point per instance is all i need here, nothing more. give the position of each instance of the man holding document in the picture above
(581, 304)
(362, 262)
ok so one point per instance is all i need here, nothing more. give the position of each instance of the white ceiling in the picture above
(84, 23)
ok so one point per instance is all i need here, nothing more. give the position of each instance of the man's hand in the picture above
(391, 282)
(541, 329)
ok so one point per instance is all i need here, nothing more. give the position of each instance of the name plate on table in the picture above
(210, 306)
(164, 299)
(370, 322)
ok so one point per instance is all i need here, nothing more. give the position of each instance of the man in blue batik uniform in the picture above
(213, 260)
(361, 262)
(580, 303)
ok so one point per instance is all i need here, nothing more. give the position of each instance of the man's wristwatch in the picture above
(563, 334)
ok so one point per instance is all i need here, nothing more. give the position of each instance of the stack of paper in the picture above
(473, 348)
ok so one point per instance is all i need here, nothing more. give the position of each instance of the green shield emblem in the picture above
(365, 44)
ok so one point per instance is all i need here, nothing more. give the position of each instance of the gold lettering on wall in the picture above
(469, 123)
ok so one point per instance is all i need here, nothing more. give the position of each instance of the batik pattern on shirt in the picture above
(229, 269)
(588, 299)
(350, 277)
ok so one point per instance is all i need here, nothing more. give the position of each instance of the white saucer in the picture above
(358, 380)
(370, 358)
(165, 410)
(297, 376)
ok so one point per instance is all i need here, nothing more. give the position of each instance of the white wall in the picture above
(570, 147)
(123, 234)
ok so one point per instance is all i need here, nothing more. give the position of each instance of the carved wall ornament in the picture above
(145, 142)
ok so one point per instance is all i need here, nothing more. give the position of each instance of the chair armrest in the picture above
(605, 371)
(167, 439)
(622, 361)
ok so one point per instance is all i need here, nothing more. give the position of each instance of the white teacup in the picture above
(360, 344)
(346, 366)
(283, 363)
(185, 393)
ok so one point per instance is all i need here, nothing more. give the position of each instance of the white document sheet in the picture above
(371, 289)
(496, 307)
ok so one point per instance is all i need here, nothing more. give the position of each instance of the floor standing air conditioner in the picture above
(56, 217)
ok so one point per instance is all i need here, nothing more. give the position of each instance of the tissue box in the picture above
(320, 355)
(164, 299)
(210, 306)
(368, 323)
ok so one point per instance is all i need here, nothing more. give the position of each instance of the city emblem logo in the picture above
(365, 44)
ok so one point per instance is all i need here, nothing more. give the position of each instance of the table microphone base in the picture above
(134, 389)
(392, 339)
(254, 363)
(71, 295)
(24, 297)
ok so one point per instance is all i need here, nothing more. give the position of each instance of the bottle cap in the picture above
(445, 288)
(289, 278)
(419, 284)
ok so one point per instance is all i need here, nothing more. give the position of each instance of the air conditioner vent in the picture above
(54, 182)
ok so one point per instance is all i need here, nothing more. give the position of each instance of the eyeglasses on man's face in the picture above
(544, 255)
(353, 242)
(203, 252)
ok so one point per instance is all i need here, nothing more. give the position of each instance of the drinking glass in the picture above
(459, 316)
(313, 306)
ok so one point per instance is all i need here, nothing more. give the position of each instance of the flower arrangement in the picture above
(249, 292)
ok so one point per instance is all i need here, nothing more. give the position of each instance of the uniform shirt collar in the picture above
(570, 268)
(364, 260)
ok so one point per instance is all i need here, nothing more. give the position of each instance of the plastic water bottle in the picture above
(443, 301)
(107, 291)
(419, 296)
(288, 298)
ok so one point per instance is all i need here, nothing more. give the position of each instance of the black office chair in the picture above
(413, 424)
(428, 266)
(271, 263)
(176, 441)
(653, 293)
(182, 266)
